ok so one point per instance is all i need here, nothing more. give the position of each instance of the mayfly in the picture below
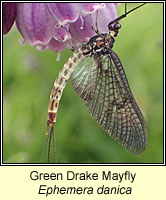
(98, 77)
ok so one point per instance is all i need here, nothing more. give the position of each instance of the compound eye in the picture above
(110, 27)
(117, 26)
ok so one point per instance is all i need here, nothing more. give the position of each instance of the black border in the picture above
(87, 164)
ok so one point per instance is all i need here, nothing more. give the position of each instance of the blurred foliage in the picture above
(28, 77)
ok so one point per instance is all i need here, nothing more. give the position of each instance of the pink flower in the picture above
(55, 25)
(9, 16)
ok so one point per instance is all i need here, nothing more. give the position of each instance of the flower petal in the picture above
(35, 23)
(51, 25)
(105, 16)
(65, 13)
(55, 45)
(9, 16)
(82, 31)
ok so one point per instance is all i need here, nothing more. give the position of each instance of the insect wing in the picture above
(101, 82)
(84, 79)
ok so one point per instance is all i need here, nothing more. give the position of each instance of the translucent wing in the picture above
(101, 82)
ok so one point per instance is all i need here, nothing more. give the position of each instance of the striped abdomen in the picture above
(60, 84)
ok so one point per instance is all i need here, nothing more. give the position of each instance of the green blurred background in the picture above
(28, 77)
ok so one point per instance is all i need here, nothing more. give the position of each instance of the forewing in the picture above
(101, 82)
(84, 79)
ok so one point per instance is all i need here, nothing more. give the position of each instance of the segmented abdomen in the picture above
(60, 84)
